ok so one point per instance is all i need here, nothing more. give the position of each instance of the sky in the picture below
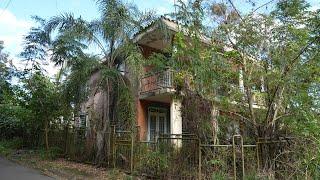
(15, 16)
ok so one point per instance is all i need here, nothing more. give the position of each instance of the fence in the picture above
(182, 156)
(74, 143)
(279, 156)
(228, 161)
(122, 150)
(176, 156)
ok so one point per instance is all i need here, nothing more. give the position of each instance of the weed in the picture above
(51, 154)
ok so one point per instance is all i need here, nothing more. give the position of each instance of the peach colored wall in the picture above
(142, 115)
(141, 118)
(142, 105)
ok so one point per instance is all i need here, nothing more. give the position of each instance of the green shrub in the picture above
(219, 176)
(153, 163)
(51, 154)
(251, 176)
(9, 146)
(5, 151)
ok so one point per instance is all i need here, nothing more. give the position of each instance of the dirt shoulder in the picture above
(63, 169)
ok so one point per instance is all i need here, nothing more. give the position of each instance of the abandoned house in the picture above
(157, 111)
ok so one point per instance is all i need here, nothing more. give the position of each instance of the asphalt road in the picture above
(12, 171)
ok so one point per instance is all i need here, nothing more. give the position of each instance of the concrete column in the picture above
(176, 120)
(241, 84)
(262, 85)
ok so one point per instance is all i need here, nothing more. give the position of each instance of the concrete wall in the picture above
(175, 117)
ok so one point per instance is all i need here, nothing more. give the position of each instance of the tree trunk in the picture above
(102, 135)
(214, 122)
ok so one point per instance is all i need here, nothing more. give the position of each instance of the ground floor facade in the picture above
(157, 116)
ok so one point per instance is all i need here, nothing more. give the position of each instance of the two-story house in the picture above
(158, 111)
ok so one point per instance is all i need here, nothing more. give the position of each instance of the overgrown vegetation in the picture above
(39, 105)
(272, 56)
(251, 73)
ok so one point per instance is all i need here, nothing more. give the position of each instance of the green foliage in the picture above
(7, 147)
(197, 120)
(219, 176)
(153, 163)
(278, 47)
(69, 38)
(277, 55)
(51, 154)
(41, 99)
(252, 176)
(6, 73)
(281, 48)
(126, 113)
(14, 121)
(14, 116)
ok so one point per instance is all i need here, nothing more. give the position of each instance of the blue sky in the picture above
(15, 15)
(15, 20)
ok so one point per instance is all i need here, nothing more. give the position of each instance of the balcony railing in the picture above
(156, 81)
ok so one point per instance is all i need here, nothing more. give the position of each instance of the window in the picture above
(83, 120)
(157, 122)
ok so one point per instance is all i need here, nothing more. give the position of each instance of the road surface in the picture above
(12, 171)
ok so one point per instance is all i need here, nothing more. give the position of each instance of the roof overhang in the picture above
(159, 34)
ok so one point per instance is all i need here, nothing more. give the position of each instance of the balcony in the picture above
(156, 83)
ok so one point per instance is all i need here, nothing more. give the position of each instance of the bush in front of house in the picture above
(153, 163)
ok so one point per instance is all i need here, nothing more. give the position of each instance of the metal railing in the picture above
(156, 81)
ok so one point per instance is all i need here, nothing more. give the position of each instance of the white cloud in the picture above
(315, 7)
(10, 20)
(161, 10)
(12, 32)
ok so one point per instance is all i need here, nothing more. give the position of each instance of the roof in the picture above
(170, 25)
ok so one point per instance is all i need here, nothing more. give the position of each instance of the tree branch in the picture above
(234, 7)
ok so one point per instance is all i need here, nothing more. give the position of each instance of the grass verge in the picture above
(49, 163)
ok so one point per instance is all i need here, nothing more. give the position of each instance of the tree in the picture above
(273, 57)
(5, 73)
(14, 116)
(42, 101)
(67, 39)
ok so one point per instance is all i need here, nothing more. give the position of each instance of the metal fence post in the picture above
(200, 163)
(258, 160)
(235, 158)
(242, 153)
(131, 156)
(114, 146)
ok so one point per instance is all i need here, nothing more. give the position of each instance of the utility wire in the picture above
(7, 5)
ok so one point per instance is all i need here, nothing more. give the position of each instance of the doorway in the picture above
(157, 122)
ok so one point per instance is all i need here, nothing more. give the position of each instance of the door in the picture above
(157, 122)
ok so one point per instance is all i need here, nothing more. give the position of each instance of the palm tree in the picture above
(69, 40)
